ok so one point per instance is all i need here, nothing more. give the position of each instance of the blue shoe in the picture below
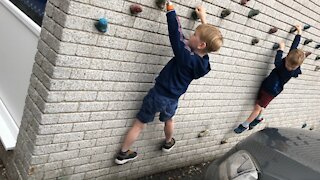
(254, 123)
(240, 129)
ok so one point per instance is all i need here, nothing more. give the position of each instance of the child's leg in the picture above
(255, 113)
(132, 135)
(168, 130)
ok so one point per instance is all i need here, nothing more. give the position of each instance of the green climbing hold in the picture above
(255, 41)
(225, 13)
(194, 15)
(275, 46)
(253, 13)
(307, 41)
(307, 26)
(293, 29)
(161, 3)
(304, 125)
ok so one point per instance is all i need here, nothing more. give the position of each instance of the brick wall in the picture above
(86, 87)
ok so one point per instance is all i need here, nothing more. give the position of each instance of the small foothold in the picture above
(255, 41)
(317, 68)
(275, 46)
(307, 41)
(194, 15)
(161, 3)
(311, 128)
(135, 9)
(317, 46)
(304, 125)
(307, 26)
(293, 29)
(244, 2)
(102, 25)
(253, 13)
(273, 30)
(223, 141)
(203, 133)
(308, 53)
(317, 58)
(225, 13)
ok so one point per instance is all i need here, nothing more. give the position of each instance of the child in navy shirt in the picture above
(190, 61)
(285, 68)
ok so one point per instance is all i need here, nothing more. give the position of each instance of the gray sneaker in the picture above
(166, 147)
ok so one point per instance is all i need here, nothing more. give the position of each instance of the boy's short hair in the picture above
(295, 57)
(211, 35)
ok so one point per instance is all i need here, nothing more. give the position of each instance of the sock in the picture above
(123, 152)
(245, 124)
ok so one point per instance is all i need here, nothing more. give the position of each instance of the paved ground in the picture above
(2, 172)
(195, 172)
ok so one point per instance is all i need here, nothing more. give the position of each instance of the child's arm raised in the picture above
(296, 40)
(177, 40)
(278, 59)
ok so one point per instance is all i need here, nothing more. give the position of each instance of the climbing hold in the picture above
(276, 46)
(223, 141)
(225, 13)
(255, 41)
(253, 12)
(203, 133)
(102, 25)
(161, 3)
(317, 46)
(307, 41)
(135, 9)
(308, 53)
(317, 58)
(311, 128)
(304, 125)
(273, 30)
(293, 29)
(317, 68)
(307, 26)
(244, 2)
(194, 15)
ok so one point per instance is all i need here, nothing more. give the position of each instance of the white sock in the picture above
(259, 117)
(245, 124)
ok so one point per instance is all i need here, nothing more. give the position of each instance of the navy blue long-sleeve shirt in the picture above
(185, 66)
(279, 76)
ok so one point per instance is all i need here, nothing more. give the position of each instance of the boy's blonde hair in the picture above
(295, 57)
(211, 35)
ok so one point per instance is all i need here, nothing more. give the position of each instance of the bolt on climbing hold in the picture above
(317, 46)
(304, 125)
(244, 2)
(307, 26)
(275, 46)
(255, 41)
(161, 3)
(225, 13)
(293, 29)
(203, 133)
(194, 15)
(253, 12)
(135, 9)
(307, 41)
(317, 68)
(308, 53)
(273, 30)
(102, 25)
(317, 58)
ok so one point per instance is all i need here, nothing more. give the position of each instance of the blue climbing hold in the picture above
(102, 25)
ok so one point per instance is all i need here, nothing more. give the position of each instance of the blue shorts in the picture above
(153, 102)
